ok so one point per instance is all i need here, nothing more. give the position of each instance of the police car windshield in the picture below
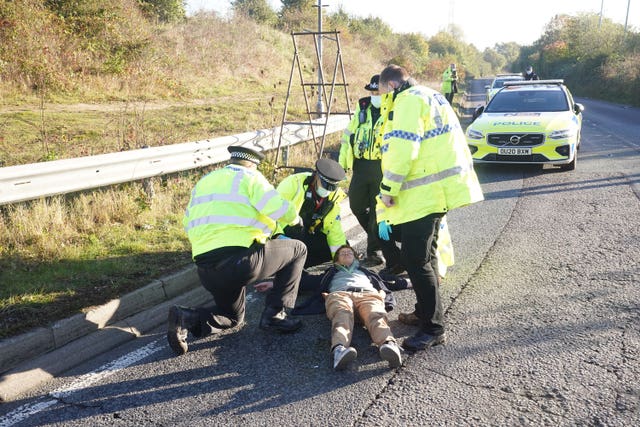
(525, 101)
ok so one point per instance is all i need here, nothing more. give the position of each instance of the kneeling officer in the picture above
(316, 197)
(232, 213)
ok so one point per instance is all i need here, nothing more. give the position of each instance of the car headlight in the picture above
(562, 134)
(474, 134)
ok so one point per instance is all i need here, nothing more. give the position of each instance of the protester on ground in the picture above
(316, 198)
(351, 291)
(450, 82)
(427, 170)
(230, 220)
(360, 152)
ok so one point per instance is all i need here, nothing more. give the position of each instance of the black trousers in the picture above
(419, 247)
(318, 250)
(449, 97)
(364, 187)
(282, 259)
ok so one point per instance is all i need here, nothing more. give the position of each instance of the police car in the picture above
(533, 122)
(498, 82)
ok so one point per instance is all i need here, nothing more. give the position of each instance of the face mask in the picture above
(376, 100)
(322, 192)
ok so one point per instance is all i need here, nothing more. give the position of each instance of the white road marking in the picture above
(25, 411)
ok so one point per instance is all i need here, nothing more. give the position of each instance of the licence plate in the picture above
(514, 151)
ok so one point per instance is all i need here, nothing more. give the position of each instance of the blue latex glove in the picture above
(282, 236)
(384, 229)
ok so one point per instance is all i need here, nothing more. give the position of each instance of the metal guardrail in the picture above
(32, 181)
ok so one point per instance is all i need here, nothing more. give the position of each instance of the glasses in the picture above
(327, 185)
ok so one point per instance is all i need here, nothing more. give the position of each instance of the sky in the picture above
(483, 22)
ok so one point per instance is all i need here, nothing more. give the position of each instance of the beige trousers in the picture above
(369, 306)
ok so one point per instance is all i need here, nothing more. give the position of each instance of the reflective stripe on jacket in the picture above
(293, 188)
(361, 140)
(233, 206)
(426, 163)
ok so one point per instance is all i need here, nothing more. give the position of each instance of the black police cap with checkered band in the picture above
(330, 171)
(245, 153)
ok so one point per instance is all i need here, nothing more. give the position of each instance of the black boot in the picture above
(180, 320)
(277, 319)
(374, 258)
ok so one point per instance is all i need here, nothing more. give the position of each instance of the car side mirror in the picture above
(487, 86)
(477, 112)
(578, 108)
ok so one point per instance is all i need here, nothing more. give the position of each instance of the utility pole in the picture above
(626, 20)
(320, 104)
(601, 8)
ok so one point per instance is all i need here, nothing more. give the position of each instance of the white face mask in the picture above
(322, 192)
(376, 100)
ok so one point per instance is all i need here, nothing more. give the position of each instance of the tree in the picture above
(495, 59)
(510, 51)
(296, 15)
(163, 10)
(443, 43)
(256, 10)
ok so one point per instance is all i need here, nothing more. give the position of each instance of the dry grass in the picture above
(207, 77)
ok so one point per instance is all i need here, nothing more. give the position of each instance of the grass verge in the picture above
(62, 255)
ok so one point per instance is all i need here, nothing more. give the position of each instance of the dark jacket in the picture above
(320, 283)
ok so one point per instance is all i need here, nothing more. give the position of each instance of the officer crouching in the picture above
(231, 217)
(316, 198)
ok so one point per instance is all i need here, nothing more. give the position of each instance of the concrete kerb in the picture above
(42, 354)
(39, 355)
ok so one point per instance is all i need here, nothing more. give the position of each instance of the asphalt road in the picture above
(543, 308)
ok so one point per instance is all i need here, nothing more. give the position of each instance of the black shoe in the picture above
(278, 320)
(422, 340)
(373, 259)
(180, 320)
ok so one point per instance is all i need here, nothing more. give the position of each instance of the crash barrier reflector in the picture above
(32, 181)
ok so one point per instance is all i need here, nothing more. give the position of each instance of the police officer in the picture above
(450, 82)
(231, 216)
(316, 197)
(360, 151)
(529, 74)
(427, 170)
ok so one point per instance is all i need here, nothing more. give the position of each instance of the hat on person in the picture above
(330, 173)
(453, 67)
(245, 153)
(374, 84)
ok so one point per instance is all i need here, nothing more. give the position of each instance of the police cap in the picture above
(374, 84)
(245, 153)
(330, 173)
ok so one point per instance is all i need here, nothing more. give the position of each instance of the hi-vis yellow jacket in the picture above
(361, 139)
(426, 164)
(447, 81)
(293, 188)
(234, 206)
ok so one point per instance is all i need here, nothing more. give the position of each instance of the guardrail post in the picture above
(147, 185)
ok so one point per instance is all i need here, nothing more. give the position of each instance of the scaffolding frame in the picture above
(322, 117)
